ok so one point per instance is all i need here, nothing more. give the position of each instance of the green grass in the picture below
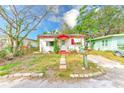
(74, 66)
(2, 73)
(48, 64)
(38, 63)
(31, 63)
(8, 66)
(109, 55)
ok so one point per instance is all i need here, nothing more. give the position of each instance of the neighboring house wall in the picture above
(105, 44)
(120, 42)
(29, 43)
(110, 43)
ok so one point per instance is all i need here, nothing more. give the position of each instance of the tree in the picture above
(65, 29)
(96, 21)
(107, 17)
(87, 25)
(20, 22)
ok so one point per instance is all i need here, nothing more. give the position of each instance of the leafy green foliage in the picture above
(96, 21)
(3, 53)
(56, 47)
(87, 23)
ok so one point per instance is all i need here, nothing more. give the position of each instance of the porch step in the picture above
(63, 52)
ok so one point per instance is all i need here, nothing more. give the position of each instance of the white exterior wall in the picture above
(43, 47)
(69, 46)
(75, 47)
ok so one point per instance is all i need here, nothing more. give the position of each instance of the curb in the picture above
(18, 75)
(89, 75)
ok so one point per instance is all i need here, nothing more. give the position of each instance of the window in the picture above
(102, 42)
(63, 42)
(106, 42)
(49, 43)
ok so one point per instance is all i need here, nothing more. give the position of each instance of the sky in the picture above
(53, 21)
(64, 13)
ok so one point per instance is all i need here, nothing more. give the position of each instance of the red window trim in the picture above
(72, 41)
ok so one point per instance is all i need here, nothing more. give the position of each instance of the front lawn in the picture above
(47, 64)
(75, 65)
(108, 54)
(32, 63)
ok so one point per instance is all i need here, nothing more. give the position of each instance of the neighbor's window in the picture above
(106, 42)
(102, 42)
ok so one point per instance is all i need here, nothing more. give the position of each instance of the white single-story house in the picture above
(66, 42)
(109, 42)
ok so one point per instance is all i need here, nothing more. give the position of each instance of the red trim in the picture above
(63, 52)
(64, 36)
(46, 36)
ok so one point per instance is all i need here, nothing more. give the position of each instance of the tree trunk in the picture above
(16, 48)
(85, 61)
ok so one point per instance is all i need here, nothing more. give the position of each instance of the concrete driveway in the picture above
(114, 78)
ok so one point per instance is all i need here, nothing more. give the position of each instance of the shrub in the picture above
(19, 53)
(56, 47)
(3, 54)
(8, 49)
(2, 73)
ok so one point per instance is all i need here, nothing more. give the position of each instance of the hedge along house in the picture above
(65, 42)
(109, 42)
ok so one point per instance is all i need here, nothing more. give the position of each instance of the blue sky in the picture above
(52, 21)
(50, 24)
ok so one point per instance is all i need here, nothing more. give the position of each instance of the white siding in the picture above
(68, 46)
(75, 46)
(44, 47)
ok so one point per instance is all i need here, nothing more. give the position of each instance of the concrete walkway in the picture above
(114, 78)
(104, 62)
(62, 62)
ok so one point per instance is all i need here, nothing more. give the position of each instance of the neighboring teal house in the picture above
(109, 42)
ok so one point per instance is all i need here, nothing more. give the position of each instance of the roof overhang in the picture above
(108, 36)
(62, 36)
